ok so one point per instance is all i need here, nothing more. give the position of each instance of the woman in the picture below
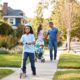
(40, 41)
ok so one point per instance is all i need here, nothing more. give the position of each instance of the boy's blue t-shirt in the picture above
(25, 39)
(53, 34)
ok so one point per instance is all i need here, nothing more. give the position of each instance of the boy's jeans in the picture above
(32, 61)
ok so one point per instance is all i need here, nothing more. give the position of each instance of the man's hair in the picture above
(51, 23)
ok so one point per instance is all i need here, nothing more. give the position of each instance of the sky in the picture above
(27, 6)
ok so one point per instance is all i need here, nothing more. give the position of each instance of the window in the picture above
(12, 21)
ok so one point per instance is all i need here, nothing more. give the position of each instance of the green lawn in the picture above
(10, 60)
(67, 75)
(69, 61)
(5, 72)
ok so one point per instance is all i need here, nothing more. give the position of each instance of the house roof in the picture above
(13, 12)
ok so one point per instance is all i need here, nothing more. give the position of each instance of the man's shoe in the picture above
(51, 60)
(54, 58)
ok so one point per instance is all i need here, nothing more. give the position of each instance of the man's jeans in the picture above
(53, 46)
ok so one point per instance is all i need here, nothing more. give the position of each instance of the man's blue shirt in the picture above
(52, 34)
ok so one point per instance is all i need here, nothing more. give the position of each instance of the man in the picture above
(53, 33)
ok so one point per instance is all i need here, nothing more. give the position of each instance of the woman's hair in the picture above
(31, 30)
(39, 29)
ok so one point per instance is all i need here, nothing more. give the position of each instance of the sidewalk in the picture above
(45, 71)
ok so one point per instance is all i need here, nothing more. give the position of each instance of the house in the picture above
(13, 16)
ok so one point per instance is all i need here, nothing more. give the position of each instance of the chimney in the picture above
(5, 8)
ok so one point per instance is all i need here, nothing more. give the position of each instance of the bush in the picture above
(7, 41)
(4, 52)
(19, 31)
(46, 43)
(3, 44)
(5, 29)
(59, 43)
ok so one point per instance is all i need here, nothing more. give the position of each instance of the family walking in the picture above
(29, 42)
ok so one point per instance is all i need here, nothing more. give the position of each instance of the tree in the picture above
(57, 17)
(66, 15)
(39, 14)
(68, 20)
(76, 21)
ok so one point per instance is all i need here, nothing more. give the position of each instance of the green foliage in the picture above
(10, 60)
(5, 29)
(76, 21)
(19, 31)
(5, 72)
(7, 35)
(58, 18)
(69, 61)
(7, 41)
(4, 52)
(67, 75)
(3, 44)
(59, 43)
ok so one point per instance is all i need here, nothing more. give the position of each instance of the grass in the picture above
(67, 75)
(10, 60)
(5, 72)
(69, 61)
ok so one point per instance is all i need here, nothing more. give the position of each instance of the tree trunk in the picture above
(68, 40)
